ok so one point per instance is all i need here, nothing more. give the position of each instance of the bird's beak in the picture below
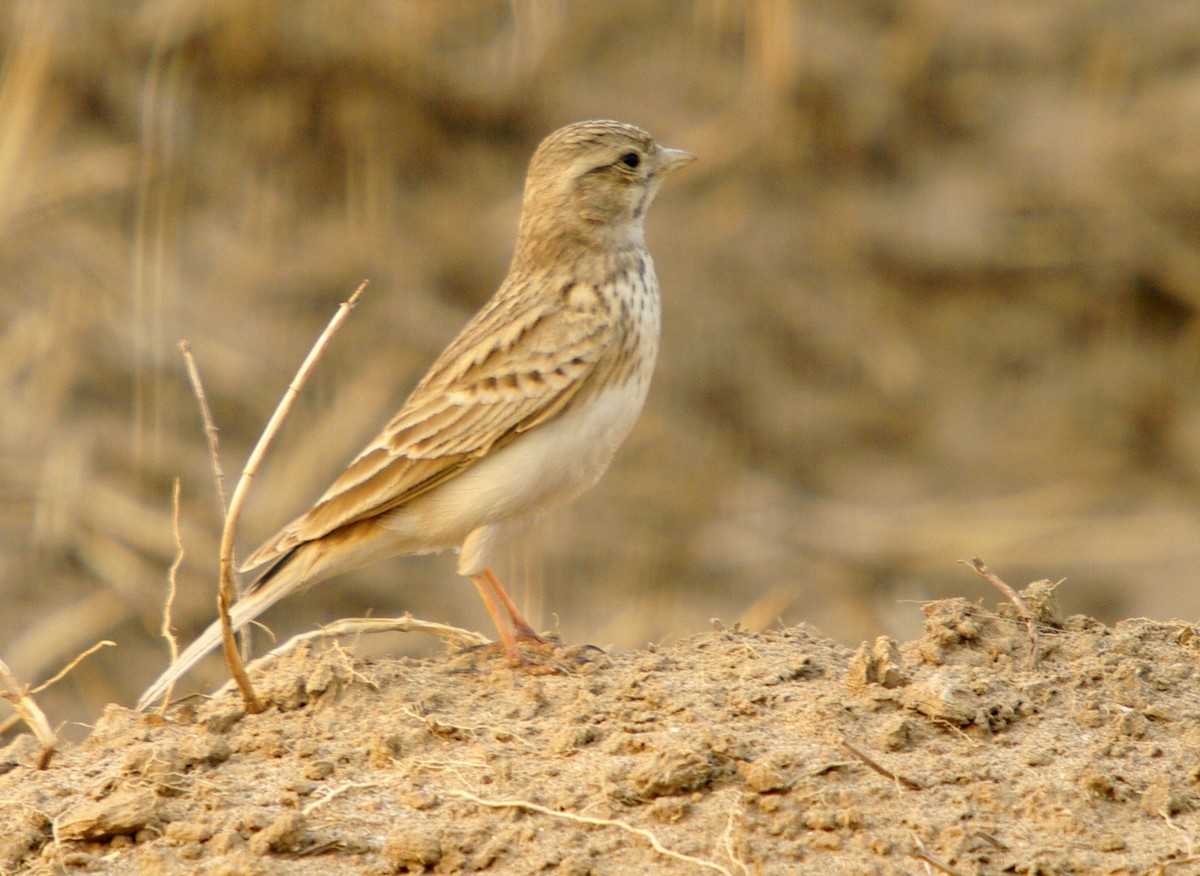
(673, 159)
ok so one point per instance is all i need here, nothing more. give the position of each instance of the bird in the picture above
(524, 409)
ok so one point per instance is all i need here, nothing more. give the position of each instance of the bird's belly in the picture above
(567, 456)
(550, 464)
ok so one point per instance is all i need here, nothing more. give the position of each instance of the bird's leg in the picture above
(493, 594)
(506, 637)
(519, 624)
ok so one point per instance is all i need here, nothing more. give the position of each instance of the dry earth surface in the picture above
(730, 752)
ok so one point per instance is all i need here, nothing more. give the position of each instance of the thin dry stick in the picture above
(214, 455)
(990, 840)
(923, 855)
(210, 427)
(1023, 611)
(879, 768)
(30, 712)
(61, 674)
(225, 593)
(17, 689)
(726, 841)
(1170, 822)
(1178, 862)
(336, 792)
(936, 864)
(357, 626)
(172, 575)
(585, 819)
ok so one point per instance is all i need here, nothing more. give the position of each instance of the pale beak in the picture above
(673, 159)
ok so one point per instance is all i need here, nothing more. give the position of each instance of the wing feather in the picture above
(504, 373)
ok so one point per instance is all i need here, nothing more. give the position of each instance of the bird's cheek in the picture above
(596, 201)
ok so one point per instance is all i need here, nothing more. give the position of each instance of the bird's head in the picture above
(591, 183)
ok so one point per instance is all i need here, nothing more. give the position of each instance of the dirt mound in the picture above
(729, 752)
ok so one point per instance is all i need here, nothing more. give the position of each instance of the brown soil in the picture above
(774, 752)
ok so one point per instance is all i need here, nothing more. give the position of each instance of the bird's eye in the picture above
(631, 159)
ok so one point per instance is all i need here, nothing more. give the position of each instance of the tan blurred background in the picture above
(931, 291)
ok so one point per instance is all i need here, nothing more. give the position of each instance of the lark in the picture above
(523, 411)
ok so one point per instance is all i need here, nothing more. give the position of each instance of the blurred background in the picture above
(930, 292)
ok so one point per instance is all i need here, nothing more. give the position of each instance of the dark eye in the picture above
(631, 159)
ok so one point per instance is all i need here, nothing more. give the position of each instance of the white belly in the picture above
(551, 464)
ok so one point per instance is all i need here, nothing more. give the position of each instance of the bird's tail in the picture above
(271, 588)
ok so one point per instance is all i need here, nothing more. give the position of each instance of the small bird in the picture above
(523, 410)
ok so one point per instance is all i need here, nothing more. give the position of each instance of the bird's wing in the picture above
(510, 368)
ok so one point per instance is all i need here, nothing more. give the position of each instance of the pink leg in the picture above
(506, 637)
(519, 624)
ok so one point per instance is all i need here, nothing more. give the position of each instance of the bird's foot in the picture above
(530, 654)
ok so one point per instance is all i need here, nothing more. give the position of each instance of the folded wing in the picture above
(508, 370)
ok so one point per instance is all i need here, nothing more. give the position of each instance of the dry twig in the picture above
(214, 455)
(1023, 611)
(19, 695)
(923, 855)
(1178, 862)
(990, 840)
(354, 626)
(210, 427)
(79, 658)
(726, 841)
(334, 792)
(225, 593)
(879, 768)
(585, 819)
(936, 864)
(172, 582)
